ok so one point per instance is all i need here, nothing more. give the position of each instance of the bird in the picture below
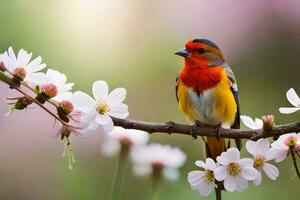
(207, 92)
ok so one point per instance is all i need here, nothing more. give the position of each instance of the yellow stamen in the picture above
(233, 169)
(102, 107)
(259, 162)
(209, 176)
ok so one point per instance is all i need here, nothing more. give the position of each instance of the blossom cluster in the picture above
(85, 114)
(234, 172)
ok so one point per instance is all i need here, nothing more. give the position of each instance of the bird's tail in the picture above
(214, 147)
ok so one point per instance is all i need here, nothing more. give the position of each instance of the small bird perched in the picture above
(206, 90)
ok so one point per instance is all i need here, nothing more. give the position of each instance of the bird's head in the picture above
(201, 53)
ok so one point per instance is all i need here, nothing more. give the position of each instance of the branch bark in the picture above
(171, 127)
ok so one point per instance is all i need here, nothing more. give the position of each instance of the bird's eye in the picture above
(202, 50)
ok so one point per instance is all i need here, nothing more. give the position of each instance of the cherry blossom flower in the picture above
(284, 145)
(250, 123)
(53, 86)
(203, 181)
(21, 67)
(294, 99)
(260, 151)
(235, 172)
(120, 139)
(157, 159)
(98, 111)
(266, 122)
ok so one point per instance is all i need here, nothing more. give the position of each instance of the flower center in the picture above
(103, 107)
(49, 90)
(233, 169)
(259, 162)
(209, 176)
(20, 72)
(291, 142)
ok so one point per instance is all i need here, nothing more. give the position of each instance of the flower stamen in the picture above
(103, 107)
(233, 169)
(208, 176)
(259, 162)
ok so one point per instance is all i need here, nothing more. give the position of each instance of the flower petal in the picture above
(288, 110)
(251, 147)
(210, 164)
(249, 122)
(83, 102)
(171, 174)
(249, 173)
(35, 79)
(242, 183)
(271, 171)
(232, 154)
(222, 159)
(195, 178)
(262, 147)
(103, 119)
(230, 184)
(246, 162)
(90, 128)
(277, 154)
(259, 123)
(200, 163)
(118, 95)
(119, 110)
(220, 173)
(293, 97)
(205, 188)
(100, 90)
(142, 170)
(257, 181)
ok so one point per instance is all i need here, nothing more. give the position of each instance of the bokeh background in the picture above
(130, 43)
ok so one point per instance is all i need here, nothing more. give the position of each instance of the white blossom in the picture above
(294, 99)
(203, 181)
(98, 111)
(21, 65)
(118, 137)
(261, 155)
(235, 172)
(281, 148)
(157, 158)
(250, 123)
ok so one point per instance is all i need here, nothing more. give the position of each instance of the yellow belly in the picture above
(214, 106)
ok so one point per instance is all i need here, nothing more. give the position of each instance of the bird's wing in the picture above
(176, 87)
(234, 90)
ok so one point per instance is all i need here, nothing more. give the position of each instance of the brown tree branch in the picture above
(171, 127)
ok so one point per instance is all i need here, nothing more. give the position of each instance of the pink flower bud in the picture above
(268, 122)
(66, 106)
(20, 73)
(49, 90)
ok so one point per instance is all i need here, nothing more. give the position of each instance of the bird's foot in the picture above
(194, 127)
(219, 129)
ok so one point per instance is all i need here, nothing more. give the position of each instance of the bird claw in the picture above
(193, 131)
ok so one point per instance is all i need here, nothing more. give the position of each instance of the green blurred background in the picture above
(130, 43)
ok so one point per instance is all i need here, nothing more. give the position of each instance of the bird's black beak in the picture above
(183, 52)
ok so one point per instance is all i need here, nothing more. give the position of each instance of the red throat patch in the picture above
(201, 79)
